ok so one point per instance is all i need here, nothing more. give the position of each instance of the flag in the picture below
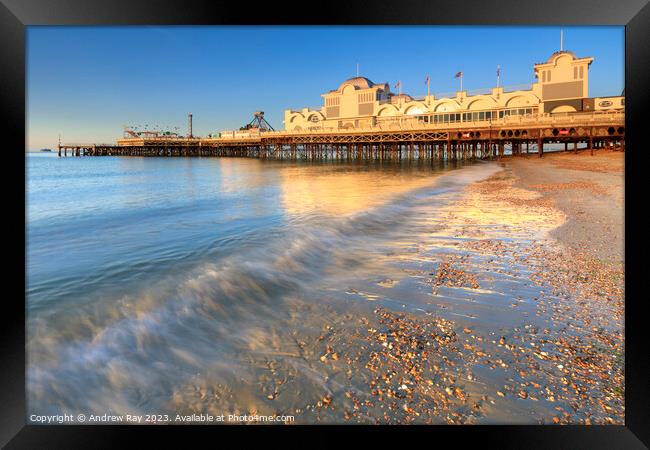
(398, 84)
(498, 70)
(458, 75)
(426, 80)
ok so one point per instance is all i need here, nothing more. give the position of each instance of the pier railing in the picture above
(412, 123)
(84, 144)
(518, 87)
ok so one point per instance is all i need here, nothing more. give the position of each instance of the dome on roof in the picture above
(558, 53)
(358, 83)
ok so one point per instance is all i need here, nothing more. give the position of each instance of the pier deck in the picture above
(462, 140)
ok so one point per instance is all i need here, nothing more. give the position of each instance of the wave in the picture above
(127, 354)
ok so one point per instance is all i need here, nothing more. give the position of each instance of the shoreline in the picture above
(553, 352)
(519, 327)
(589, 190)
(486, 310)
(587, 264)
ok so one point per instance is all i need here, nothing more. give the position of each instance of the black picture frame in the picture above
(16, 15)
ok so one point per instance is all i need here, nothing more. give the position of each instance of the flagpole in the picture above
(498, 74)
(461, 81)
(428, 87)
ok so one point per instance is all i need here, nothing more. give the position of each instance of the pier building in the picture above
(358, 103)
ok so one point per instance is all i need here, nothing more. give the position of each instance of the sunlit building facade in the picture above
(562, 86)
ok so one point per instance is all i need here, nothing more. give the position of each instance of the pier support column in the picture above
(540, 147)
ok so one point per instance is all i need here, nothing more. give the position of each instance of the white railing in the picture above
(484, 91)
(439, 95)
(409, 124)
(406, 123)
(518, 87)
(86, 144)
(160, 138)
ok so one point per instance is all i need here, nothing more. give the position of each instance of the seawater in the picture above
(149, 278)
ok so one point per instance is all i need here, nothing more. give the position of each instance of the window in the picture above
(548, 77)
(544, 76)
(575, 73)
(581, 71)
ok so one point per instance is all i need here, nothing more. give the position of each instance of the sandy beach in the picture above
(589, 190)
(587, 266)
(518, 316)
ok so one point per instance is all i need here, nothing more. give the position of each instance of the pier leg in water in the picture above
(540, 147)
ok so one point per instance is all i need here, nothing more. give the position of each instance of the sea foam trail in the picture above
(128, 354)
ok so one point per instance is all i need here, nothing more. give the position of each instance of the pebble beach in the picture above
(524, 323)
(492, 293)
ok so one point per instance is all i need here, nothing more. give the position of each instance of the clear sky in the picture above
(87, 82)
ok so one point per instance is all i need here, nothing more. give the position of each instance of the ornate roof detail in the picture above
(558, 53)
(358, 83)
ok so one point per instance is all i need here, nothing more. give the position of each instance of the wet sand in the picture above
(559, 358)
(589, 190)
(586, 268)
(507, 308)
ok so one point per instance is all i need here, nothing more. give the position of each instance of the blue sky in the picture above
(87, 82)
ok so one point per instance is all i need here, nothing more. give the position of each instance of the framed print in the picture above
(386, 220)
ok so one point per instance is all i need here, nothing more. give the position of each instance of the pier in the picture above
(365, 120)
(519, 135)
